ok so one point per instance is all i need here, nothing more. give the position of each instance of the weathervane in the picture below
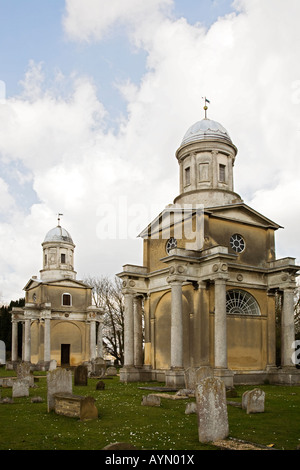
(58, 219)
(205, 107)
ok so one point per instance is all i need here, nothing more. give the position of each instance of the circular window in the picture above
(171, 243)
(237, 243)
(241, 302)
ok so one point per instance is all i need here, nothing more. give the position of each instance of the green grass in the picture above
(28, 426)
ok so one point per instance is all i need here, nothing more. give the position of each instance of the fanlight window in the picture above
(241, 302)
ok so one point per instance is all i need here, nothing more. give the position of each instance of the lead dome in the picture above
(206, 129)
(58, 234)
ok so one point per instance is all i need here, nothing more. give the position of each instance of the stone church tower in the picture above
(58, 320)
(210, 279)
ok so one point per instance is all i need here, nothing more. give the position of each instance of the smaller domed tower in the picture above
(58, 255)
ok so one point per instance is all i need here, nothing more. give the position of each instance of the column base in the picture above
(135, 374)
(288, 375)
(175, 378)
(226, 375)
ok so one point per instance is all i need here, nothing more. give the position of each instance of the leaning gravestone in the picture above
(81, 375)
(211, 410)
(2, 353)
(58, 381)
(255, 401)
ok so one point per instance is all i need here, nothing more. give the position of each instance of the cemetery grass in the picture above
(122, 418)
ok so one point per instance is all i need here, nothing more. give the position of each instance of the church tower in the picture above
(206, 158)
(59, 321)
(58, 255)
(213, 305)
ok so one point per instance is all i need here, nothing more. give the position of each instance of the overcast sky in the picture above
(95, 98)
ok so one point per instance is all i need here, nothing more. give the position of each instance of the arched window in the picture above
(66, 299)
(241, 302)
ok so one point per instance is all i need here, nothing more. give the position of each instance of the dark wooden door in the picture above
(65, 354)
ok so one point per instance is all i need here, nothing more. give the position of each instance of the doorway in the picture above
(65, 354)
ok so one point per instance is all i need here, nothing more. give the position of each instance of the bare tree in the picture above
(107, 294)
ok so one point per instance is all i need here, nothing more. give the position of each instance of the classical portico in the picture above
(58, 321)
(212, 303)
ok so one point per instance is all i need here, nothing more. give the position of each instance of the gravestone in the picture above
(193, 375)
(52, 364)
(151, 400)
(100, 385)
(81, 375)
(20, 388)
(191, 408)
(2, 352)
(111, 371)
(255, 401)
(98, 367)
(58, 381)
(211, 410)
(23, 372)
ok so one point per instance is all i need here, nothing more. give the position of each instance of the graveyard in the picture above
(120, 414)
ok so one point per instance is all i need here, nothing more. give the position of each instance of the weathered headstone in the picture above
(111, 371)
(23, 372)
(2, 352)
(20, 388)
(245, 399)
(211, 410)
(100, 385)
(256, 401)
(151, 400)
(52, 364)
(88, 409)
(58, 381)
(191, 408)
(98, 367)
(81, 375)
(193, 375)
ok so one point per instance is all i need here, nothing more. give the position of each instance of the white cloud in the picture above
(246, 64)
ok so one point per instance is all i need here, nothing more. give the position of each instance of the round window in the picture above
(237, 243)
(171, 243)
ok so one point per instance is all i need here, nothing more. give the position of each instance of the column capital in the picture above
(175, 280)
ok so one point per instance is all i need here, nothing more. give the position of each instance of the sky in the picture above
(95, 98)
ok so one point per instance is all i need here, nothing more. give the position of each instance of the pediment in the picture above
(32, 283)
(243, 213)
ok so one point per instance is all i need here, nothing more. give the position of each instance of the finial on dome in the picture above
(58, 219)
(205, 107)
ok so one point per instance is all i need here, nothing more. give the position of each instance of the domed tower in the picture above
(58, 255)
(206, 158)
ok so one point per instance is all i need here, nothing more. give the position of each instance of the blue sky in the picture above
(32, 30)
(96, 91)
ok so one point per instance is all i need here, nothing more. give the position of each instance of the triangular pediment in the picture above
(242, 213)
(67, 282)
(233, 212)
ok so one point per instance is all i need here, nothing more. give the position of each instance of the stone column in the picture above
(100, 339)
(128, 329)
(92, 340)
(138, 331)
(47, 341)
(27, 340)
(287, 327)
(176, 324)
(14, 339)
(220, 324)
